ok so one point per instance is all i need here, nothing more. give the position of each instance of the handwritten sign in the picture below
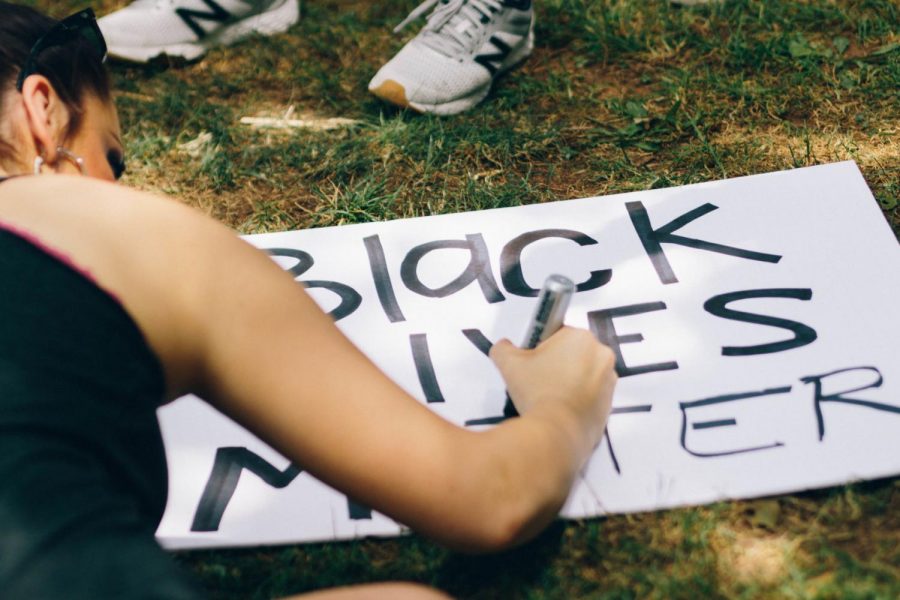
(754, 323)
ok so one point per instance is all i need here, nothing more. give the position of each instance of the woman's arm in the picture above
(276, 363)
(230, 324)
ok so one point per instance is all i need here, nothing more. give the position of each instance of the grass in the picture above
(619, 95)
(836, 543)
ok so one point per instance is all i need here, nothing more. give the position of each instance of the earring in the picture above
(39, 160)
(79, 162)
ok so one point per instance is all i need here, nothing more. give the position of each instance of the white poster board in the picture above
(755, 320)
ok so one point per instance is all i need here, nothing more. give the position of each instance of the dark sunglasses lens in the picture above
(95, 38)
(82, 24)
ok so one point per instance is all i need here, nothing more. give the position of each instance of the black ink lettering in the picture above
(511, 261)
(478, 269)
(803, 335)
(228, 465)
(819, 397)
(425, 368)
(358, 512)
(304, 259)
(509, 409)
(652, 239)
(382, 279)
(612, 453)
(479, 340)
(601, 323)
(685, 406)
(485, 421)
(713, 424)
(621, 410)
(350, 298)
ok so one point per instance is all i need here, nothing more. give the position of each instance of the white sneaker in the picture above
(450, 65)
(186, 29)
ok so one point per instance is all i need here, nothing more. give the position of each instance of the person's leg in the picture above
(186, 29)
(376, 591)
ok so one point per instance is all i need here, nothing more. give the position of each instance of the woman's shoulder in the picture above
(151, 252)
(104, 223)
(85, 198)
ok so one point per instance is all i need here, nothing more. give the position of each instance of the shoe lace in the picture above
(454, 24)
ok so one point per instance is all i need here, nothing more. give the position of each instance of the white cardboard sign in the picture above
(755, 322)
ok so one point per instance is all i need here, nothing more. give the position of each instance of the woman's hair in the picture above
(72, 68)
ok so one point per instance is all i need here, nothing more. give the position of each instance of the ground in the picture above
(619, 95)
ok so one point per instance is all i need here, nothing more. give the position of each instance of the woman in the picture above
(117, 301)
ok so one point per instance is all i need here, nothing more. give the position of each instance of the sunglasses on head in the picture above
(82, 25)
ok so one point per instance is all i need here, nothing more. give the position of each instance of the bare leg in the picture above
(376, 591)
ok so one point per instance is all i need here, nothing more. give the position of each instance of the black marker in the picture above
(548, 317)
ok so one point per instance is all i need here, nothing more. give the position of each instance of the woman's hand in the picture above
(570, 373)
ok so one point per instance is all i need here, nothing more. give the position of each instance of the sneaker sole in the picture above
(394, 92)
(275, 20)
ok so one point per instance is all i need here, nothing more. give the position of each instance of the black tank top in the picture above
(74, 365)
(83, 478)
